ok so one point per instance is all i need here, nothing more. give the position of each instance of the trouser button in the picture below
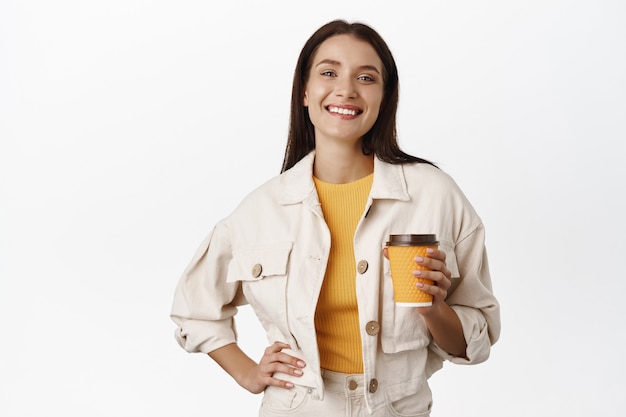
(352, 385)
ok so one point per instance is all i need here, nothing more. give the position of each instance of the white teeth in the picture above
(342, 111)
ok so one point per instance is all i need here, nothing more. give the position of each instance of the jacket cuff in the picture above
(204, 336)
(476, 336)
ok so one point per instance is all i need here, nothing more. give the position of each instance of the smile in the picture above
(344, 111)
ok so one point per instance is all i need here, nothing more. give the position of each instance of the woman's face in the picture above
(344, 90)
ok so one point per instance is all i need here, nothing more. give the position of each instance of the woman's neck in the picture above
(342, 165)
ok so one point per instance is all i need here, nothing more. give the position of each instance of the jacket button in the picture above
(352, 384)
(256, 270)
(373, 385)
(372, 328)
(362, 267)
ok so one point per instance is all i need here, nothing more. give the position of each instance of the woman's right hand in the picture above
(273, 360)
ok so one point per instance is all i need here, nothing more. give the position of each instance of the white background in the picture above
(128, 128)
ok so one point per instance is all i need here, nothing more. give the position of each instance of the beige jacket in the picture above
(271, 252)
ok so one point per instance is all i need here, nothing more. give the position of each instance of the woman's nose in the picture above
(346, 88)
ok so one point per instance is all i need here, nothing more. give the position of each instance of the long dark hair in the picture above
(381, 140)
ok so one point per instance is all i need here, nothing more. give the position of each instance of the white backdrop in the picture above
(128, 128)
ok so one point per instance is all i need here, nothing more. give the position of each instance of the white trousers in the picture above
(343, 397)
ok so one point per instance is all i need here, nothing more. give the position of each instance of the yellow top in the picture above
(337, 315)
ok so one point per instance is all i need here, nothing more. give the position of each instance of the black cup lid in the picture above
(412, 240)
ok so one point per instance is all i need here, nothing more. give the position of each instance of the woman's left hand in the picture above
(435, 262)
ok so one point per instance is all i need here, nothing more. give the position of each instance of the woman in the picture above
(307, 251)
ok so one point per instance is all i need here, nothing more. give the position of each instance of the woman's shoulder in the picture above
(430, 181)
(422, 173)
(290, 186)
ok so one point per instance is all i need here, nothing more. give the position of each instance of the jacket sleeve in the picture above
(205, 303)
(473, 300)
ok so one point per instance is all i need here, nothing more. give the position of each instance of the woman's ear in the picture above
(305, 100)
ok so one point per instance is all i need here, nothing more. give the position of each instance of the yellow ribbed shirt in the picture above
(337, 315)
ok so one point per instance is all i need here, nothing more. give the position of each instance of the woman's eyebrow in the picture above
(337, 63)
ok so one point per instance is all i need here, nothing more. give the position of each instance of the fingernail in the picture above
(420, 285)
(417, 272)
(288, 385)
(419, 259)
(301, 364)
(297, 372)
(430, 250)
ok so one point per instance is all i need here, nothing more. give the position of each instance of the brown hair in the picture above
(381, 139)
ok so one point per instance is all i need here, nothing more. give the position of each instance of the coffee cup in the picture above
(402, 250)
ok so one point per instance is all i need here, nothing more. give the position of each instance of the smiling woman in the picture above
(315, 270)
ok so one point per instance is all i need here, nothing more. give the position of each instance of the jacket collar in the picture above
(296, 184)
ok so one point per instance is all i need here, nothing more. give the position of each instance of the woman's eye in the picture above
(328, 73)
(366, 78)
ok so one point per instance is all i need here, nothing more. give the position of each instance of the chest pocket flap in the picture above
(260, 261)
